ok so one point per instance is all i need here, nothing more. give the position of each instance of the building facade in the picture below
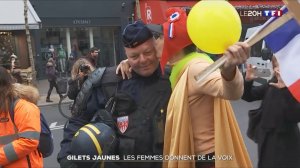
(78, 25)
(12, 32)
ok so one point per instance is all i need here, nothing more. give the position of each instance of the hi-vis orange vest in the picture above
(18, 148)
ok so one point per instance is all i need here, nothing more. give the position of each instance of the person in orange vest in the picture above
(19, 139)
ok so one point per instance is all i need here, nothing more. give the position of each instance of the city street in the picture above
(56, 122)
(56, 46)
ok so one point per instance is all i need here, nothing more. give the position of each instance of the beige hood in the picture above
(26, 92)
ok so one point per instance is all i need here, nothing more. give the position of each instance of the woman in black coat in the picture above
(277, 133)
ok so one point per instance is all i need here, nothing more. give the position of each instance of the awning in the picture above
(12, 15)
(153, 11)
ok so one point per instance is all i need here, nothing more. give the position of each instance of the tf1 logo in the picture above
(267, 13)
(271, 13)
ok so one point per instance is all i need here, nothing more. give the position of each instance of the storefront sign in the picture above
(82, 21)
(148, 14)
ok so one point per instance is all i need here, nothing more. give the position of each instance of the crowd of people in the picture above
(152, 105)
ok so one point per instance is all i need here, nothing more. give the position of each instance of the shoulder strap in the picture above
(11, 109)
(85, 91)
(105, 77)
(109, 82)
(12, 112)
(12, 117)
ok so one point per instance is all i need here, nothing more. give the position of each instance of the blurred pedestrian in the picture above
(52, 78)
(70, 64)
(80, 71)
(92, 56)
(74, 51)
(82, 67)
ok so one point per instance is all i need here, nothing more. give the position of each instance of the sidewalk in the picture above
(43, 86)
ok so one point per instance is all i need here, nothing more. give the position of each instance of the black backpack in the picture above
(46, 138)
(103, 76)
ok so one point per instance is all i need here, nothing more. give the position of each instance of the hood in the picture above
(26, 92)
(175, 33)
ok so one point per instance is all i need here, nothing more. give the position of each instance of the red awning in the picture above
(253, 3)
(153, 11)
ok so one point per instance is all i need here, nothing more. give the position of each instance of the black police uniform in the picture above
(144, 133)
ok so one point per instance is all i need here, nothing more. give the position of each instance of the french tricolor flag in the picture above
(285, 43)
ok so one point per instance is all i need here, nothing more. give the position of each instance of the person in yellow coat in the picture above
(200, 121)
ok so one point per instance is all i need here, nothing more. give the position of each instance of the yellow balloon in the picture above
(214, 25)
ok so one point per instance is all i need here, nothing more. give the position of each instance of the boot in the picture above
(48, 99)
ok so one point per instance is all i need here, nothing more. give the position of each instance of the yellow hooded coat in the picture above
(179, 132)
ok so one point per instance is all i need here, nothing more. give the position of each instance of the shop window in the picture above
(104, 38)
(79, 41)
(107, 39)
(7, 46)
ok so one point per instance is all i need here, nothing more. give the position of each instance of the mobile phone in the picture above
(263, 73)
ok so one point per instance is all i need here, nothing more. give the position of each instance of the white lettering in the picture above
(242, 13)
(128, 157)
(81, 21)
(201, 157)
(149, 14)
(225, 157)
(254, 13)
(251, 13)
(273, 12)
(106, 157)
(259, 13)
(266, 12)
(179, 157)
(78, 157)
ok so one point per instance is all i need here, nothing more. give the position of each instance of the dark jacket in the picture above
(74, 87)
(151, 95)
(278, 135)
(51, 73)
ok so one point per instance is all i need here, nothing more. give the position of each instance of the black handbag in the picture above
(253, 124)
(62, 84)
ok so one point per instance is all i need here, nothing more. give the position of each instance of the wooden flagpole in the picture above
(260, 34)
(294, 7)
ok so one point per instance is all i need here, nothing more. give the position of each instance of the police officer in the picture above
(140, 104)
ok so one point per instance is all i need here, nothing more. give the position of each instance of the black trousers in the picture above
(206, 164)
(52, 84)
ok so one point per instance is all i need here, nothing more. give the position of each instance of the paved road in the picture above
(56, 122)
